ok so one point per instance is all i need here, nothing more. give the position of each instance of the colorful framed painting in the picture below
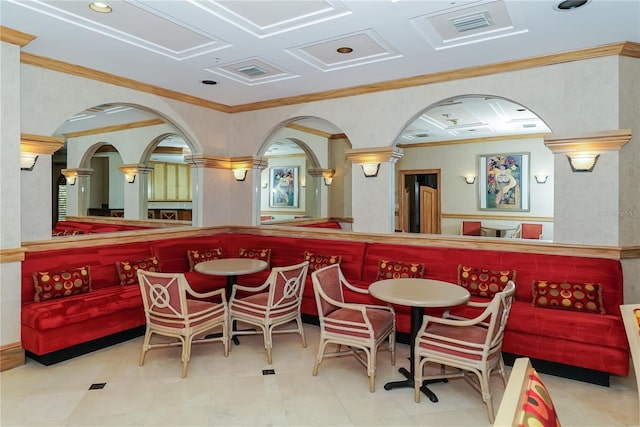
(284, 187)
(504, 181)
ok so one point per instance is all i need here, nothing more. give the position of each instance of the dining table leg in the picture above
(416, 323)
(230, 282)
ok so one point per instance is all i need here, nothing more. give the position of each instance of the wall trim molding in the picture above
(627, 48)
(491, 217)
(11, 356)
(12, 255)
(115, 128)
(9, 35)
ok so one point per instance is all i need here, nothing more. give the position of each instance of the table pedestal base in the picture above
(409, 383)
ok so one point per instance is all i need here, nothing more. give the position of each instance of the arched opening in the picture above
(444, 177)
(103, 138)
(307, 174)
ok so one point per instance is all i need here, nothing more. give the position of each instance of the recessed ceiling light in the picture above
(100, 7)
(209, 82)
(344, 50)
(570, 4)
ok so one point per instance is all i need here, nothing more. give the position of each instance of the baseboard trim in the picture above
(11, 356)
(87, 347)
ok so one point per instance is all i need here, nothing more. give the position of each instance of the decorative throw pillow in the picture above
(317, 261)
(399, 270)
(127, 270)
(197, 256)
(482, 282)
(261, 254)
(585, 297)
(58, 284)
(538, 409)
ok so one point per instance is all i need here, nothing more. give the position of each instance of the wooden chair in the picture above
(631, 318)
(170, 313)
(273, 304)
(360, 328)
(526, 400)
(472, 346)
(471, 228)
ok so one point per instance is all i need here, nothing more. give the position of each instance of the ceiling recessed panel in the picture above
(267, 18)
(367, 47)
(471, 24)
(134, 24)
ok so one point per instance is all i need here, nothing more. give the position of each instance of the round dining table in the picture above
(418, 294)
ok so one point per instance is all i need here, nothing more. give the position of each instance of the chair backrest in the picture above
(286, 286)
(526, 400)
(471, 228)
(327, 286)
(497, 313)
(164, 297)
(531, 231)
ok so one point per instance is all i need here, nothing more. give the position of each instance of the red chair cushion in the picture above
(585, 297)
(63, 283)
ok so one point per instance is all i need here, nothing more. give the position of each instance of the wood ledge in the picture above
(12, 255)
(589, 142)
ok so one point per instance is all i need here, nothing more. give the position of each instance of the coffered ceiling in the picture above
(258, 51)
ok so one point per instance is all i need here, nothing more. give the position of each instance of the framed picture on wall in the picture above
(504, 181)
(284, 187)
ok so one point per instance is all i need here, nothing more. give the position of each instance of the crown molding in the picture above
(219, 162)
(588, 142)
(374, 155)
(9, 35)
(40, 144)
(115, 128)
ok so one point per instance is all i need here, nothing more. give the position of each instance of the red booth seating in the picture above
(578, 339)
(74, 228)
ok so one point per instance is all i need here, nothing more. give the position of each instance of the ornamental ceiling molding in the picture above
(375, 155)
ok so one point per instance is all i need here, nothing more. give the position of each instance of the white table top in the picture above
(419, 292)
(501, 227)
(230, 266)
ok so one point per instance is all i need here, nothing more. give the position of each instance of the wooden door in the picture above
(429, 210)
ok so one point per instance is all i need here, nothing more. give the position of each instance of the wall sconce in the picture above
(541, 179)
(28, 161)
(582, 162)
(130, 177)
(71, 180)
(70, 175)
(469, 179)
(328, 180)
(265, 184)
(370, 170)
(240, 174)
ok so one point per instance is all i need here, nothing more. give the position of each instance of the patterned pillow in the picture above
(317, 261)
(585, 297)
(197, 256)
(127, 270)
(58, 284)
(482, 282)
(538, 409)
(261, 254)
(398, 269)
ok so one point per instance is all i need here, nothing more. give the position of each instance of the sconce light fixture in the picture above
(28, 161)
(265, 184)
(469, 179)
(582, 162)
(370, 170)
(328, 180)
(240, 174)
(130, 177)
(71, 180)
(541, 179)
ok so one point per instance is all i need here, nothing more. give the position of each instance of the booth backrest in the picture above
(100, 259)
(442, 264)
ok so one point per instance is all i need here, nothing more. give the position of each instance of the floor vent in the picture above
(97, 386)
(268, 372)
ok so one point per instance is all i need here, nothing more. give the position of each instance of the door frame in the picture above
(402, 210)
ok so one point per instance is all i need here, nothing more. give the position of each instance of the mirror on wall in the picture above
(440, 181)
(103, 139)
(307, 174)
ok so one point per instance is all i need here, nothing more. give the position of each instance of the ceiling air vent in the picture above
(471, 22)
(251, 71)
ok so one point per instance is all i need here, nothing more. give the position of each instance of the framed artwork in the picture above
(284, 187)
(504, 181)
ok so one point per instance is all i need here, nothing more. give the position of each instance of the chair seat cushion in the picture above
(469, 334)
(199, 312)
(381, 321)
(247, 305)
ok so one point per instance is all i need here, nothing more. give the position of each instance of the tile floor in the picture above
(233, 391)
